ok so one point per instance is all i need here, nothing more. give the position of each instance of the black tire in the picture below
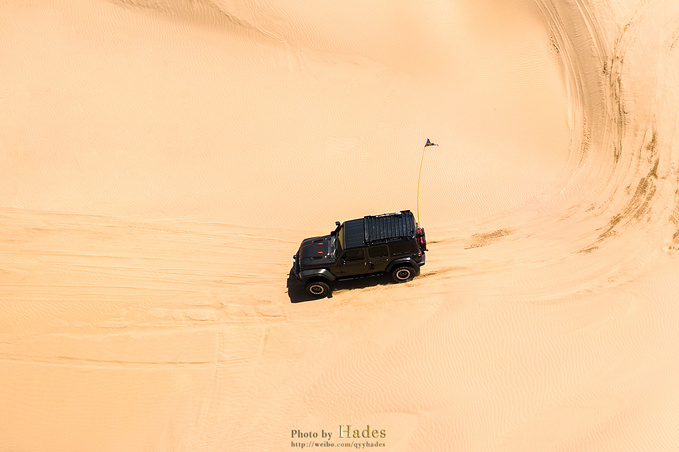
(403, 273)
(318, 289)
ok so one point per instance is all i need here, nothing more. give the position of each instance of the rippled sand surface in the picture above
(163, 159)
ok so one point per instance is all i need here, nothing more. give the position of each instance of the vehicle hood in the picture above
(317, 251)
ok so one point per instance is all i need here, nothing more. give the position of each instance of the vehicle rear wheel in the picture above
(403, 274)
(318, 289)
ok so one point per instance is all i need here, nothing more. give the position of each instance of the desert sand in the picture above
(162, 160)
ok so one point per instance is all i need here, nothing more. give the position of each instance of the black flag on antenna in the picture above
(429, 143)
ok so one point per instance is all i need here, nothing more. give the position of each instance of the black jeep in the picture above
(390, 243)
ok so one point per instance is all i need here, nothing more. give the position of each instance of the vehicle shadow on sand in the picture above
(297, 293)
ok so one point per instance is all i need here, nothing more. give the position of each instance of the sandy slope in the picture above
(163, 159)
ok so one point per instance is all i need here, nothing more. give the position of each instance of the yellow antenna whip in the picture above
(428, 143)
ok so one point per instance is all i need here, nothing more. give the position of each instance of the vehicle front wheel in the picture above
(318, 289)
(403, 274)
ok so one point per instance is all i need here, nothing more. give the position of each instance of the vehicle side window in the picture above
(406, 247)
(378, 251)
(354, 255)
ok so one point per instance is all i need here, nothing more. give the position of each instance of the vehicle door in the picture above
(378, 258)
(352, 262)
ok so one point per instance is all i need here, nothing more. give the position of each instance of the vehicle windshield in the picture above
(340, 237)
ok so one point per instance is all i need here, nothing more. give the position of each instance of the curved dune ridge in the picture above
(164, 158)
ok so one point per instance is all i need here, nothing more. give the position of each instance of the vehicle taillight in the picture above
(421, 239)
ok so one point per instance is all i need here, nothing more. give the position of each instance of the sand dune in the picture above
(163, 160)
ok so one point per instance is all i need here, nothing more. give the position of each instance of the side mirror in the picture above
(337, 223)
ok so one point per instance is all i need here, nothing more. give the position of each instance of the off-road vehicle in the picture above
(389, 243)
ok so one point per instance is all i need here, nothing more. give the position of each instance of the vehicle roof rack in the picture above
(389, 226)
